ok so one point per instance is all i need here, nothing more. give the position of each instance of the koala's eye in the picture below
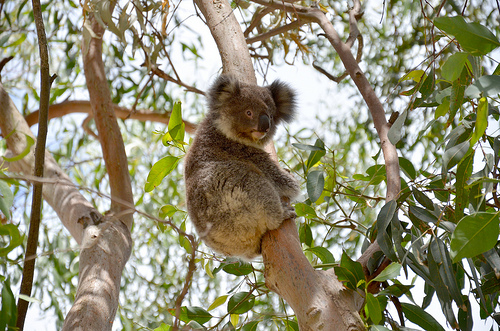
(249, 113)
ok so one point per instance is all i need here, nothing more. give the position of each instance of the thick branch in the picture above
(81, 106)
(105, 250)
(318, 299)
(110, 137)
(61, 195)
(229, 39)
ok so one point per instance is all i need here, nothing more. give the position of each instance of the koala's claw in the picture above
(289, 213)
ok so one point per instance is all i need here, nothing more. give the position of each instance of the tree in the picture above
(440, 219)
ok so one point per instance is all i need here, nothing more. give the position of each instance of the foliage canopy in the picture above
(434, 63)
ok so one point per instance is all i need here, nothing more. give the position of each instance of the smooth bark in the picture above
(318, 298)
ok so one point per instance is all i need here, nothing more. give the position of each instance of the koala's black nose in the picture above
(264, 123)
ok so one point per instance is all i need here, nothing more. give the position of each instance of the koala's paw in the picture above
(289, 212)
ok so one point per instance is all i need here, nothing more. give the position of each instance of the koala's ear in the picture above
(285, 100)
(224, 87)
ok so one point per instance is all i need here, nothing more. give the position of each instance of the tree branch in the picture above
(319, 300)
(61, 194)
(229, 39)
(282, 29)
(110, 137)
(36, 205)
(81, 106)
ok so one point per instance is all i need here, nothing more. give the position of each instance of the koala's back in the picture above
(231, 201)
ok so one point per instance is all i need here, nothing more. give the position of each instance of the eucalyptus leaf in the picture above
(315, 184)
(473, 37)
(474, 234)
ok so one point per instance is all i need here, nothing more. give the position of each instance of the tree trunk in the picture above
(318, 298)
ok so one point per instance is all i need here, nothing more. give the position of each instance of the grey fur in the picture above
(234, 190)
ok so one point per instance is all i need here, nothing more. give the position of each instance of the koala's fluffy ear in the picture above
(285, 100)
(224, 87)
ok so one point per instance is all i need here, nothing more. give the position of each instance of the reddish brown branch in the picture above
(81, 106)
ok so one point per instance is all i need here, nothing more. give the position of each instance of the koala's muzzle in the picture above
(264, 123)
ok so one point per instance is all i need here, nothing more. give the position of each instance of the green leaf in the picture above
(163, 327)
(385, 215)
(415, 75)
(407, 168)
(159, 170)
(8, 313)
(420, 317)
(464, 171)
(305, 234)
(305, 210)
(176, 126)
(481, 121)
(315, 184)
(378, 328)
(442, 258)
(316, 155)
(423, 199)
(168, 211)
(251, 326)
(454, 155)
(473, 37)
(14, 235)
(396, 290)
(373, 309)
(423, 214)
(453, 67)
(239, 268)
(394, 133)
(487, 86)
(474, 234)
(428, 85)
(198, 314)
(442, 109)
(6, 199)
(240, 303)
(183, 316)
(391, 272)
(324, 254)
(349, 271)
(29, 142)
(218, 302)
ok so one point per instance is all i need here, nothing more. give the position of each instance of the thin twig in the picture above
(36, 207)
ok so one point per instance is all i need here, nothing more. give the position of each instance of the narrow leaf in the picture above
(372, 308)
(453, 155)
(394, 133)
(29, 142)
(217, 302)
(420, 317)
(159, 170)
(391, 272)
(324, 254)
(453, 67)
(481, 121)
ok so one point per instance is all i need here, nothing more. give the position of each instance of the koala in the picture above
(235, 192)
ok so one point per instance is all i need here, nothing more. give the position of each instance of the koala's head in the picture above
(249, 114)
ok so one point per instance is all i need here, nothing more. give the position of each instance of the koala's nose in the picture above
(264, 123)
